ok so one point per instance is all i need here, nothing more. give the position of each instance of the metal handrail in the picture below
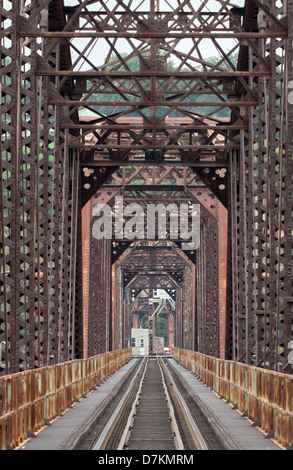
(263, 396)
(31, 399)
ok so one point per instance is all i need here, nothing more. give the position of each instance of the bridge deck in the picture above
(152, 428)
(63, 433)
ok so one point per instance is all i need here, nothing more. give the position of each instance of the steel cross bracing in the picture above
(99, 88)
(261, 208)
(39, 203)
(159, 264)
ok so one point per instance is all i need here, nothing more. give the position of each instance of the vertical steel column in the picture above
(261, 196)
(99, 296)
(286, 318)
(38, 205)
(207, 275)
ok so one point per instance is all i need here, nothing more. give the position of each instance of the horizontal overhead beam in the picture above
(141, 13)
(151, 34)
(153, 187)
(218, 104)
(194, 164)
(154, 146)
(167, 269)
(152, 73)
(158, 127)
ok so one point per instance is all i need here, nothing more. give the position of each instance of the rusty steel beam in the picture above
(99, 74)
(261, 200)
(183, 147)
(196, 164)
(243, 387)
(23, 32)
(39, 212)
(27, 408)
(246, 164)
(134, 103)
(130, 126)
(147, 260)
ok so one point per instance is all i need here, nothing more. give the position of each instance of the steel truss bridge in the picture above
(153, 102)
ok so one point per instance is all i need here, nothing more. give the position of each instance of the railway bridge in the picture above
(146, 277)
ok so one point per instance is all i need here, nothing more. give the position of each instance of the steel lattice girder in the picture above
(154, 38)
(261, 212)
(161, 259)
(41, 89)
(39, 206)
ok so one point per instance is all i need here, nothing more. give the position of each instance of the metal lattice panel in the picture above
(207, 301)
(262, 192)
(38, 206)
(154, 116)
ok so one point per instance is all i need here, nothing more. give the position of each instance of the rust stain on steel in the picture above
(264, 396)
(86, 216)
(40, 313)
(33, 398)
(222, 263)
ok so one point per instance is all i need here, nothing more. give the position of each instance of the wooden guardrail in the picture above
(264, 396)
(31, 399)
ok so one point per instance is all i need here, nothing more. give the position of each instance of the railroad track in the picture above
(154, 412)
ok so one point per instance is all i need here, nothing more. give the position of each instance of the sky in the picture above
(100, 49)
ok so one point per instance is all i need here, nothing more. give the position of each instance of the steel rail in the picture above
(195, 432)
(114, 422)
(101, 442)
(131, 417)
(174, 425)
